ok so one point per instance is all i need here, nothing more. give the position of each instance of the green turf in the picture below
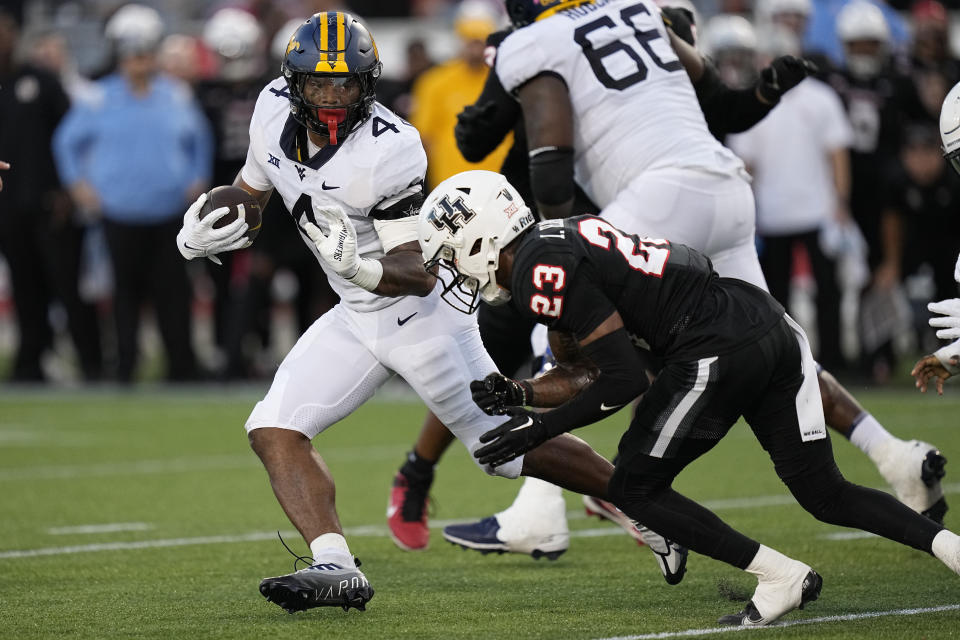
(179, 463)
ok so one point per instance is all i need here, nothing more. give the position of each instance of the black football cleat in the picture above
(751, 616)
(321, 585)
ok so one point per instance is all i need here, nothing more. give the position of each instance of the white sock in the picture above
(535, 490)
(769, 564)
(946, 547)
(868, 433)
(331, 547)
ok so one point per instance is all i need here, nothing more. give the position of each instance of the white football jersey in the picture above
(634, 108)
(378, 165)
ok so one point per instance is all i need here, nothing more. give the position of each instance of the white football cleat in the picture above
(534, 527)
(778, 595)
(914, 469)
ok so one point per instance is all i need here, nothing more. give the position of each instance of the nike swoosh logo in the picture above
(191, 248)
(391, 510)
(524, 426)
(325, 187)
(946, 133)
(402, 322)
(604, 407)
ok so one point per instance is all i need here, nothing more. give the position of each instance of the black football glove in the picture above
(496, 393)
(472, 123)
(521, 433)
(783, 74)
(680, 21)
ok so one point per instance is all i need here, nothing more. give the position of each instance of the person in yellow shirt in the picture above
(443, 91)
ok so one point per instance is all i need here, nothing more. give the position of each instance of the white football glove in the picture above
(339, 249)
(198, 238)
(949, 323)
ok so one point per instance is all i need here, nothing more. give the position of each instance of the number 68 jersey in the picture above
(634, 108)
(375, 174)
(572, 274)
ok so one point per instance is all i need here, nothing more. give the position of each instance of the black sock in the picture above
(418, 468)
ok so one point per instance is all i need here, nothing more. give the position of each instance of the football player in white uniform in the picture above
(351, 174)
(607, 102)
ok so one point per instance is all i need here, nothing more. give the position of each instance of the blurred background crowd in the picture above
(114, 117)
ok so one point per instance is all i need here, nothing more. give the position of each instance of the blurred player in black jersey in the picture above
(728, 350)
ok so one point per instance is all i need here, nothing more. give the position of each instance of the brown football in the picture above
(239, 201)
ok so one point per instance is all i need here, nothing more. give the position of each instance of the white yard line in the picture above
(789, 623)
(111, 527)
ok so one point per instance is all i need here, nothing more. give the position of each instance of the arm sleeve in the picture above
(621, 379)
(520, 59)
(728, 110)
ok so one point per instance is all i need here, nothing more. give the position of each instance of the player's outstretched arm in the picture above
(621, 379)
(574, 372)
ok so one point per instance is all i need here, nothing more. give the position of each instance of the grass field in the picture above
(145, 515)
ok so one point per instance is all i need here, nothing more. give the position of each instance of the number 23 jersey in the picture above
(376, 173)
(572, 274)
(634, 108)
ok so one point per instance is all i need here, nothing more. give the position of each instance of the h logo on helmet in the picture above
(452, 215)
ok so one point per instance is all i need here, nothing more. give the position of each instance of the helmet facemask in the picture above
(331, 67)
(464, 225)
(344, 105)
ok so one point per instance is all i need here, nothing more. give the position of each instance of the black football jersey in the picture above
(572, 274)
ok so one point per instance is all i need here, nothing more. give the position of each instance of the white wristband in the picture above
(944, 354)
(368, 274)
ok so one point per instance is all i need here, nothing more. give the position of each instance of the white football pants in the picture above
(712, 212)
(341, 360)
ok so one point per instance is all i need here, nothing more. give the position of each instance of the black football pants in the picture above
(760, 382)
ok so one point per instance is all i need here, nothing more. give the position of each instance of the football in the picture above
(240, 203)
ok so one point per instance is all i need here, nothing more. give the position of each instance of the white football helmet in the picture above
(464, 224)
(863, 22)
(950, 127)
(135, 28)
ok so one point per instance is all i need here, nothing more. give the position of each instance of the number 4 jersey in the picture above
(375, 174)
(634, 107)
(572, 274)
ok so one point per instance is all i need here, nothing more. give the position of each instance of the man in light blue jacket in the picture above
(137, 152)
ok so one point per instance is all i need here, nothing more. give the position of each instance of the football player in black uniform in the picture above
(483, 125)
(728, 350)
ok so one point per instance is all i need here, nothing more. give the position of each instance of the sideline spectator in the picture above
(37, 234)
(799, 191)
(138, 154)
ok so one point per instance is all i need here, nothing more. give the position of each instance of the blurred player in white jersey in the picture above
(607, 104)
(351, 174)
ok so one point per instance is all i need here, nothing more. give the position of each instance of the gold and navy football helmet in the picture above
(331, 45)
(523, 12)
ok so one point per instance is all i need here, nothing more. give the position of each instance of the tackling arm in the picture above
(573, 373)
